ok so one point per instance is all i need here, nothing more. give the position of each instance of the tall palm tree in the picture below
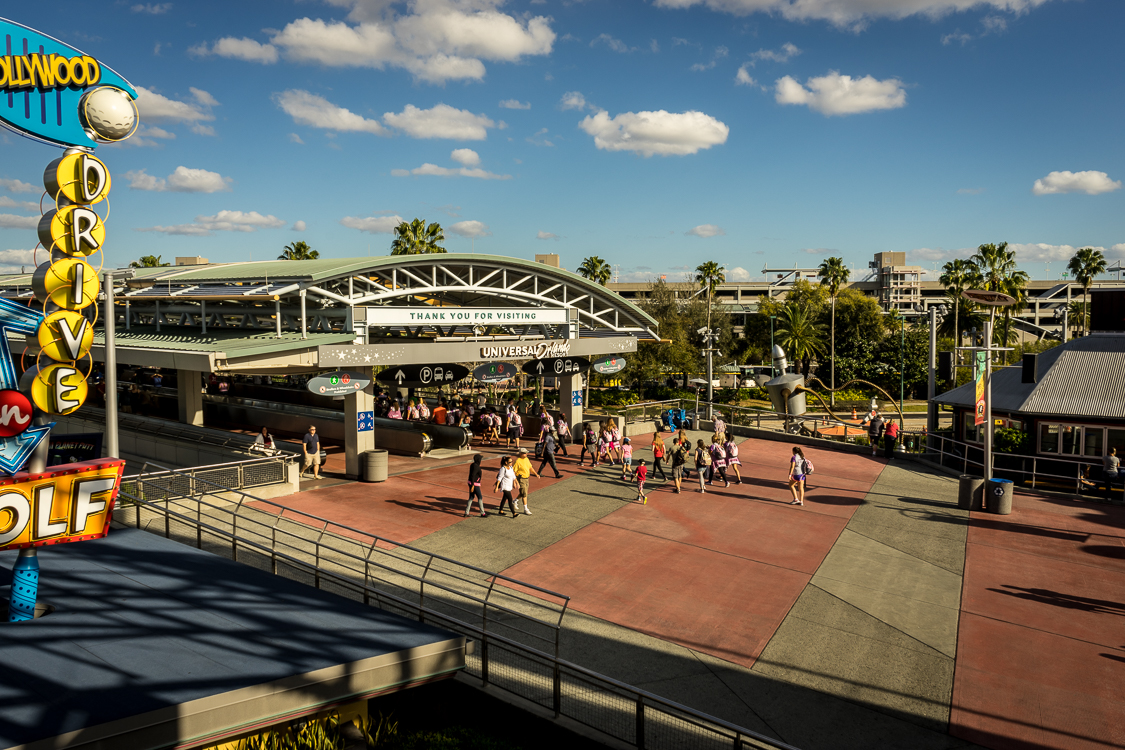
(1076, 315)
(956, 276)
(1015, 286)
(709, 275)
(1084, 266)
(994, 264)
(416, 238)
(596, 270)
(800, 334)
(298, 250)
(148, 261)
(833, 274)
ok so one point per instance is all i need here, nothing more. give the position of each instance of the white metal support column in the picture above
(570, 391)
(357, 443)
(189, 395)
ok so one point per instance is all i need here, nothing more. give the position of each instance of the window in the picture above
(1071, 439)
(1048, 438)
(1092, 441)
(1115, 439)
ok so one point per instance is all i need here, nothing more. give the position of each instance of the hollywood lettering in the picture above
(45, 72)
(533, 351)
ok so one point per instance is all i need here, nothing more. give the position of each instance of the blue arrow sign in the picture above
(15, 450)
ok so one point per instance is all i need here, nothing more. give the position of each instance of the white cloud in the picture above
(970, 191)
(144, 136)
(546, 236)
(1090, 183)
(316, 111)
(153, 9)
(17, 186)
(660, 132)
(294, 138)
(956, 36)
(11, 221)
(706, 230)
(373, 224)
(614, 44)
(13, 259)
(514, 104)
(836, 94)
(157, 107)
(223, 221)
(1117, 251)
(743, 77)
(573, 100)
(433, 170)
(438, 41)
(299, 226)
(853, 14)
(201, 129)
(183, 180)
(787, 52)
(538, 140)
(737, 273)
(440, 121)
(470, 229)
(465, 156)
(6, 202)
(245, 49)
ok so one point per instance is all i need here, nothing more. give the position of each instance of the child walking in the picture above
(626, 458)
(641, 474)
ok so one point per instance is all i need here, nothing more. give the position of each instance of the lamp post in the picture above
(773, 373)
(111, 434)
(993, 300)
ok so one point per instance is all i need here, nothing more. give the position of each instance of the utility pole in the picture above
(112, 449)
(993, 300)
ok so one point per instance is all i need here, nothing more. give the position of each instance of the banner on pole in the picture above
(978, 376)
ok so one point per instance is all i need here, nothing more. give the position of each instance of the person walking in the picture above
(874, 429)
(550, 444)
(731, 449)
(589, 444)
(310, 447)
(658, 451)
(626, 459)
(505, 482)
(797, 474)
(474, 487)
(718, 461)
(641, 474)
(890, 437)
(702, 461)
(679, 458)
(512, 427)
(524, 470)
(564, 434)
(1111, 470)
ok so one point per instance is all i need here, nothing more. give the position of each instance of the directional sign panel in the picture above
(365, 421)
(338, 383)
(609, 364)
(557, 366)
(423, 375)
(495, 372)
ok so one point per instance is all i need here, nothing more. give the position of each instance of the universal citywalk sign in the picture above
(54, 94)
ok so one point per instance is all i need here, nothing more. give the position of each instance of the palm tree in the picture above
(1084, 266)
(956, 276)
(709, 275)
(833, 274)
(798, 333)
(1015, 286)
(415, 238)
(298, 250)
(994, 264)
(148, 261)
(595, 269)
(1076, 314)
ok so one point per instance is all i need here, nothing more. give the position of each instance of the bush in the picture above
(613, 398)
(1009, 440)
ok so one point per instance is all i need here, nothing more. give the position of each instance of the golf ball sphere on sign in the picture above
(109, 112)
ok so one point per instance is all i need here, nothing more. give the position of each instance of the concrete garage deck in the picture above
(154, 644)
(878, 615)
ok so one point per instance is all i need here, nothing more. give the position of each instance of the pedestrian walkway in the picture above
(877, 615)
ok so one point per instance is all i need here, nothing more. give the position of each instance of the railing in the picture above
(235, 475)
(1036, 472)
(518, 633)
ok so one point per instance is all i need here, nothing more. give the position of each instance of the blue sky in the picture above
(656, 135)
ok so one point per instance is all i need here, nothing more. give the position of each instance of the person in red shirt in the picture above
(641, 474)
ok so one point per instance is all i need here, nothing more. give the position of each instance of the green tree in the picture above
(595, 269)
(1084, 266)
(1076, 315)
(417, 238)
(800, 335)
(994, 264)
(298, 250)
(956, 276)
(1015, 286)
(148, 261)
(833, 275)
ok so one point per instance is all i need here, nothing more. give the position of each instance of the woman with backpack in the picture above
(658, 451)
(718, 461)
(702, 461)
(799, 468)
(731, 449)
(589, 445)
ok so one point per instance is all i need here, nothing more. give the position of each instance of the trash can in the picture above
(970, 493)
(1000, 496)
(375, 466)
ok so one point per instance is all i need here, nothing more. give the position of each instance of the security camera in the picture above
(702, 331)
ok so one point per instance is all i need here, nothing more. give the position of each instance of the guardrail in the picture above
(518, 633)
(235, 475)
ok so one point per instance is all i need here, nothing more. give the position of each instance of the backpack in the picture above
(807, 467)
(706, 458)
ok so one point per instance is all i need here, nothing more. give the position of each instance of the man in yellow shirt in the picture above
(524, 470)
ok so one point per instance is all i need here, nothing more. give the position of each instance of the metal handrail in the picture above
(738, 737)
